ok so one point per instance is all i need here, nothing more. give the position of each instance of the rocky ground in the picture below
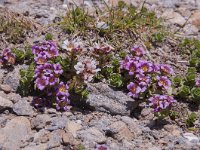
(111, 118)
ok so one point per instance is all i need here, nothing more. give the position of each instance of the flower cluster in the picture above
(198, 82)
(47, 76)
(161, 102)
(86, 68)
(102, 49)
(44, 51)
(73, 46)
(146, 77)
(7, 57)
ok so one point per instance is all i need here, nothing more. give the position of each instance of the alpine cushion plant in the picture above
(86, 68)
(7, 57)
(47, 77)
(147, 80)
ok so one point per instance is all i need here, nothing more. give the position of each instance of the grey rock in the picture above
(5, 103)
(15, 132)
(57, 123)
(132, 125)
(1, 75)
(103, 123)
(55, 139)
(121, 131)
(11, 96)
(105, 99)
(23, 108)
(73, 127)
(12, 79)
(173, 17)
(92, 135)
(41, 137)
(33, 146)
(40, 121)
(191, 137)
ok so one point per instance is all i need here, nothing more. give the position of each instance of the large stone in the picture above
(55, 139)
(92, 135)
(133, 125)
(73, 127)
(36, 147)
(40, 121)
(121, 131)
(23, 108)
(195, 18)
(173, 17)
(14, 133)
(105, 99)
(12, 79)
(57, 123)
(5, 103)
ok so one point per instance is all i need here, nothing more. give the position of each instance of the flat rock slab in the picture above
(14, 133)
(105, 99)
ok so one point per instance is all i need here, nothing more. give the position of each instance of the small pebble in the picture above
(6, 88)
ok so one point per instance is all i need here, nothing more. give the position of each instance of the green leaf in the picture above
(195, 92)
(20, 55)
(194, 61)
(184, 91)
(191, 119)
(190, 79)
(48, 36)
(115, 80)
(177, 80)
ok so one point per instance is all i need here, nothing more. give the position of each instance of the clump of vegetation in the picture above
(116, 25)
(58, 74)
(13, 27)
(191, 119)
(188, 87)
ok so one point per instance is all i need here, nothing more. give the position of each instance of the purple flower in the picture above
(132, 67)
(62, 89)
(47, 47)
(145, 67)
(166, 69)
(143, 78)
(156, 68)
(62, 105)
(198, 82)
(7, 57)
(134, 89)
(6, 52)
(38, 102)
(36, 49)
(52, 52)
(41, 82)
(161, 102)
(41, 58)
(137, 51)
(52, 80)
(163, 82)
(101, 147)
(143, 81)
(57, 69)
